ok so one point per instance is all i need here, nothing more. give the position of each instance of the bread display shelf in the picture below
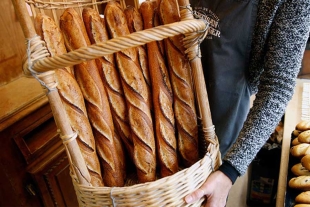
(296, 111)
(168, 191)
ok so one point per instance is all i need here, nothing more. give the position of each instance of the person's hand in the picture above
(216, 189)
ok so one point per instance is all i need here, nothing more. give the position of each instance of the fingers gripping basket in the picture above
(168, 191)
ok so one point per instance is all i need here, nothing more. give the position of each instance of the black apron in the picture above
(225, 59)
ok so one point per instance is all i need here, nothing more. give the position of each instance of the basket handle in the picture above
(193, 52)
(47, 80)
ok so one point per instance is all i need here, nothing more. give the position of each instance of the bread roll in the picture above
(303, 125)
(301, 183)
(303, 197)
(71, 97)
(302, 205)
(181, 80)
(137, 96)
(96, 100)
(300, 150)
(166, 143)
(305, 161)
(296, 132)
(304, 137)
(295, 141)
(97, 33)
(299, 170)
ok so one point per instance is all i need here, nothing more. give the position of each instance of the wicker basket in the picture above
(168, 191)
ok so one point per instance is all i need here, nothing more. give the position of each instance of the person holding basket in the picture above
(253, 47)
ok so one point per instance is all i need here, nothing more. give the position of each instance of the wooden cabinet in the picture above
(34, 169)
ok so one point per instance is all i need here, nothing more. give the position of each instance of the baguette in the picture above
(166, 143)
(97, 33)
(96, 100)
(135, 24)
(305, 161)
(137, 97)
(180, 75)
(71, 96)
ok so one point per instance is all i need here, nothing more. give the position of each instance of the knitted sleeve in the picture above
(285, 34)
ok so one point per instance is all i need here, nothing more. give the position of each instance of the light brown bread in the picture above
(303, 125)
(295, 141)
(305, 161)
(299, 170)
(135, 24)
(97, 105)
(296, 132)
(136, 94)
(97, 33)
(71, 97)
(303, 198)
(301, 183)
(300, 150)
(180, 75)
(302, 205)
(304, 137)
(166, 143)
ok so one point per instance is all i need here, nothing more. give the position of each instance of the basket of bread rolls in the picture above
(300, 151)
(128, 95)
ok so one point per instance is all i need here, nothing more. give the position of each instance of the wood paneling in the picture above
(12, 44)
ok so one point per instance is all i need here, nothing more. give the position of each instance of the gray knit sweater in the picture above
(279, 40)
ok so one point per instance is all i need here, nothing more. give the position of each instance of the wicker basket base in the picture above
(168, 191)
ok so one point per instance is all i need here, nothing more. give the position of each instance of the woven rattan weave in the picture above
(169, 191)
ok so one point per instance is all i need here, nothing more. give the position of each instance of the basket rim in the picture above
(203, 161)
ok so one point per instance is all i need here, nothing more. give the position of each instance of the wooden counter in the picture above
(18, 99)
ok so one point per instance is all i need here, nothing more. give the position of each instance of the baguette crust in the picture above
(96, 100)
(97, 33)
(71, 97)
(180, 75)
(166, 143)
(137, 97)
(135, 24)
